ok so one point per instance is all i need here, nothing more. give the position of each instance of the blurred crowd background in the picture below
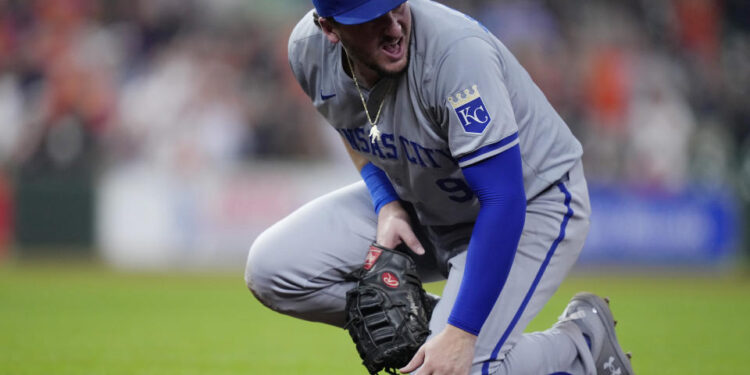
(657, 91)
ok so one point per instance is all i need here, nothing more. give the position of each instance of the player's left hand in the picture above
(449, 353)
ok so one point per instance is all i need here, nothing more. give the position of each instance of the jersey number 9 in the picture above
(460, 191)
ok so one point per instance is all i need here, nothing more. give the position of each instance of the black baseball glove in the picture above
(388, 311)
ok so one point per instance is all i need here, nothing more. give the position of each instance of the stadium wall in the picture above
(149, 218)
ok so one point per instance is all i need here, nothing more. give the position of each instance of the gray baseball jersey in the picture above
(464, 98)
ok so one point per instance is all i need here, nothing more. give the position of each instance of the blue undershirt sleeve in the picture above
(498, 183)
(380, 187)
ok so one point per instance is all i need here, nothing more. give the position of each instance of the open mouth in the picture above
(394, 50)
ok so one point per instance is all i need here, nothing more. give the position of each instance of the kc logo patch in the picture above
(470, 110)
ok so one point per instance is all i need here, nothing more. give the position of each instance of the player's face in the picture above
(381, 45)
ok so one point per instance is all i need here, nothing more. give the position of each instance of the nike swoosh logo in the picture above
(326, 97)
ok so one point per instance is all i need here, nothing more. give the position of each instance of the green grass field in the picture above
(83, 319)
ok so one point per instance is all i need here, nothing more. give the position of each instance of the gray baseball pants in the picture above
(297, 267)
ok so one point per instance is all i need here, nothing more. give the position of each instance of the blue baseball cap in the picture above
(352, 12)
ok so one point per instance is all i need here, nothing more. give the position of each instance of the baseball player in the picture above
(464, 161)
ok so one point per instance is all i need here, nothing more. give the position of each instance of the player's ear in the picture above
(329, 29)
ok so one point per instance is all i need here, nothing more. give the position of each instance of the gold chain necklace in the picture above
(374, 131)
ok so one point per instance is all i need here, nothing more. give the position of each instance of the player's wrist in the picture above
(459, 333)
(392, 209)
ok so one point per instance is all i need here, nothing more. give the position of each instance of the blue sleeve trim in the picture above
(498, 183)
(380, 187)
(489, 150)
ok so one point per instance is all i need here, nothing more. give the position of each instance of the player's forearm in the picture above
(498, 182)
(380, 187)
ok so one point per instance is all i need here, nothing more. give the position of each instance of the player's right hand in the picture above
(394, 228)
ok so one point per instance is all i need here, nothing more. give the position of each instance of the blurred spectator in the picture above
(660, 128)
(11, 116)
(185, 110)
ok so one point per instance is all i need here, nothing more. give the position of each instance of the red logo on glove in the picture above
(389, 279)
(372, 257)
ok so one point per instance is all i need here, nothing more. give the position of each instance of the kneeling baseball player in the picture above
(468, 174)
